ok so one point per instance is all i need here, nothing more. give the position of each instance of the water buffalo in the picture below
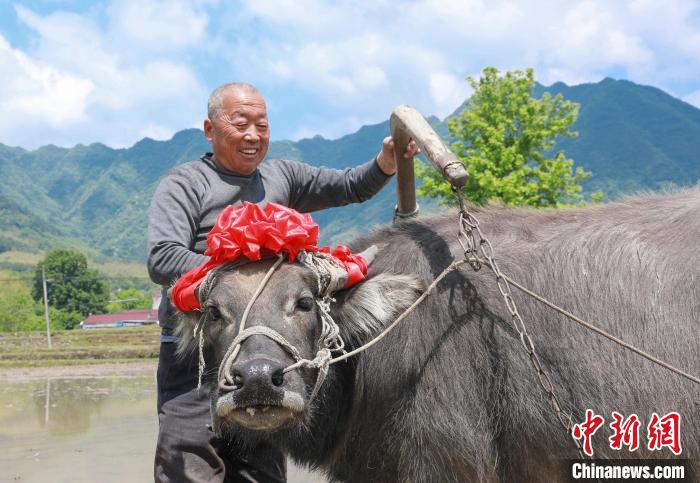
(450, 395)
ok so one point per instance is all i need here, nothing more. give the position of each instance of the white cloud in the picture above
(66, 39)
(448, 92)
(159, 25)
(38, 91)
(357, 70)
(343, 68)
(155, 131)
(421, 50)
(591, 39)
(78, 83)
(130, 67)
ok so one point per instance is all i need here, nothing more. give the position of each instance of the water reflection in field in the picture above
(77, 430)
(81, 430)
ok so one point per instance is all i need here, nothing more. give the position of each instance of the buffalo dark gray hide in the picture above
(450, 395)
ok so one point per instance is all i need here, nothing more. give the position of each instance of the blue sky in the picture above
(115, 71)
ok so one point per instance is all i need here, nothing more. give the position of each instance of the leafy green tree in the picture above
(505, 137)
(18, 312)
(65, 319)
(129, 299)
(72, 286)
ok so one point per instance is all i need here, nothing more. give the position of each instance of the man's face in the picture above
(240, 134)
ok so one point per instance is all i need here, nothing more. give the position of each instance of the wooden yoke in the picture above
(406, 123)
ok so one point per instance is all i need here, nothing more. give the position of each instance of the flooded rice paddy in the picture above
(86, 429)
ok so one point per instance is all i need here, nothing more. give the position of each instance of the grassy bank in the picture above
(73, 347)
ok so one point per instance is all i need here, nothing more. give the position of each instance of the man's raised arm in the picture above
(318, 188)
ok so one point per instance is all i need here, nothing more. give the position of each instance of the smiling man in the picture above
(237, 127)
(183, 210)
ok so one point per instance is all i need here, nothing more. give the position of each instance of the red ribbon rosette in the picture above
(248, 231)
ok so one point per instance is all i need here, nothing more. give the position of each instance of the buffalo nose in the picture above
(258, 373)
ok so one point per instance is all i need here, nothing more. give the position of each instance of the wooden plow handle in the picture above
(406, 123)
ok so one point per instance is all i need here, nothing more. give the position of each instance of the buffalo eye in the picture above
(214, 313)
(305, 304)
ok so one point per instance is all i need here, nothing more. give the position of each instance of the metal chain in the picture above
(474, 243)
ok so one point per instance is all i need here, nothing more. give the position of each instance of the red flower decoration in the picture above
(247, 230)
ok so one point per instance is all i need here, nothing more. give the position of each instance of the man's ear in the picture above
(208, 127)
(372, 304)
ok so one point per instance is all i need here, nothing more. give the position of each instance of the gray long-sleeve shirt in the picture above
(190, 197)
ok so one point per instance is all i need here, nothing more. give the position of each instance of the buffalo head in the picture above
(261, 399)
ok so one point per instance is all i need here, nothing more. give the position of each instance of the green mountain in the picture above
(632, 137)
(95, 198)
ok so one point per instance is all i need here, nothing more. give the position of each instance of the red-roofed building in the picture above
(127, 318)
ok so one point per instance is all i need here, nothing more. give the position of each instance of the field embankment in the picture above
(79, 347)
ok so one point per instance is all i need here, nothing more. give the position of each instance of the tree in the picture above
(503, 137)
(18, 312)
(65, 319)
(72, 287)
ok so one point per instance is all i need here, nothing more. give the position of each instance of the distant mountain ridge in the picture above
(632, 137)
(95, 198)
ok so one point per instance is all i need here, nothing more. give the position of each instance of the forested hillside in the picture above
(95, 198)
(632, 137)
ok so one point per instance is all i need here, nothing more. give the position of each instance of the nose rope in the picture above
(233, 350)
(320, 362)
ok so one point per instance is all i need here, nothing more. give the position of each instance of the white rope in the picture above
(199, 334)
(234, 349)
(403, 315)
(320, 362)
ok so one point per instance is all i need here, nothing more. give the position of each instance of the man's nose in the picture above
(252, 134)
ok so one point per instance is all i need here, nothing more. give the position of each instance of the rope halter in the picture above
(330, 278)
(248, 231)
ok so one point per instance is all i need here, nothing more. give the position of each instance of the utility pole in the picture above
(46, 307)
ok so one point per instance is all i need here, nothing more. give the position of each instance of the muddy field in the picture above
(96, 427)
(84, 411)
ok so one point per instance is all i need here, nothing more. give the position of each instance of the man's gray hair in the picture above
(216, 98)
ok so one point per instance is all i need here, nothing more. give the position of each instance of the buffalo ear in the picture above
(184, 328)
(372, 304)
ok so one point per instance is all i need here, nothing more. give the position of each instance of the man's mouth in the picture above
(249, 152)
